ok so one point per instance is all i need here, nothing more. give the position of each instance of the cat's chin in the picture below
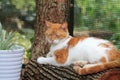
(55, 42)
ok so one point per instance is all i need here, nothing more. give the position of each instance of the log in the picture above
(35, 71)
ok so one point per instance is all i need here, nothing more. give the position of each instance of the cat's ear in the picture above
(65, 26)
(48, 24)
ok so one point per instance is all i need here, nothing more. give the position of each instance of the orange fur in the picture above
(61, 55)
(113, 54)
(60, 34)
(97, 68)
(92, 69)
(103, 60)
(106, 45)
(74, 41)
(114, 61)
(59, 31)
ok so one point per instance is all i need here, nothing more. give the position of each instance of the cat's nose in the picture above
(52, 41)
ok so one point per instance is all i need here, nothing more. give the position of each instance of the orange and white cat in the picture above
(87, 54)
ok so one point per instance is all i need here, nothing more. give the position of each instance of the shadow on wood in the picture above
(35, 71)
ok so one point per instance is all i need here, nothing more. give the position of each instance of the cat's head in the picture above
(56, 32)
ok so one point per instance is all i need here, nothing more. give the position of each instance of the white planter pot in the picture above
(10, 64)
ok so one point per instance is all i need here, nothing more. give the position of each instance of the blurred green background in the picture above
(19, 16)
(99, 16)
(89, 15)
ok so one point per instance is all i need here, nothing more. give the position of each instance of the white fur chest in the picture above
(60, 45)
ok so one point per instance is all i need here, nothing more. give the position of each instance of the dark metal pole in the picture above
(71, 18)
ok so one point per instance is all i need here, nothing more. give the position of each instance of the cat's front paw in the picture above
(49, 55)
(78, 70)
(41, 60)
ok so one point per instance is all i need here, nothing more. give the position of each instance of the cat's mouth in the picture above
(52, 41)
(55, 41)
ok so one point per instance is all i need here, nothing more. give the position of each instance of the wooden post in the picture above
(56, 11)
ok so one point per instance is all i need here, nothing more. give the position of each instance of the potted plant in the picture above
(10, 56)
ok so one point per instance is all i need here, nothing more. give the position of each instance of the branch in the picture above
(35, 71)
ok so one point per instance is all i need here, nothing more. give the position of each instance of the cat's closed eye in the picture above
(57, 35)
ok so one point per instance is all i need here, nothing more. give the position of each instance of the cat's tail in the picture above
(97, 67)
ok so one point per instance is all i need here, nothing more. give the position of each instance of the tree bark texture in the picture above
(34, 71)
(56, 11)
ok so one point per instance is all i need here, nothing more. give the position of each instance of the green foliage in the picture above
(24, 4)
(9, 39)
(116, 39)
(6, 39)
(101, 15)
(23, 40)
(29, 33)
(24, 9)
(98, 14)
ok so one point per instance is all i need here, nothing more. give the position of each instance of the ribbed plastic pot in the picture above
(11, 63)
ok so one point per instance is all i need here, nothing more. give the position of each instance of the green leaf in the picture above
(6, 39)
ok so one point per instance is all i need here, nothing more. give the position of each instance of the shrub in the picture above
(6, 39)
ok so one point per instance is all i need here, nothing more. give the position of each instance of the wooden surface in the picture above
(34, 71)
